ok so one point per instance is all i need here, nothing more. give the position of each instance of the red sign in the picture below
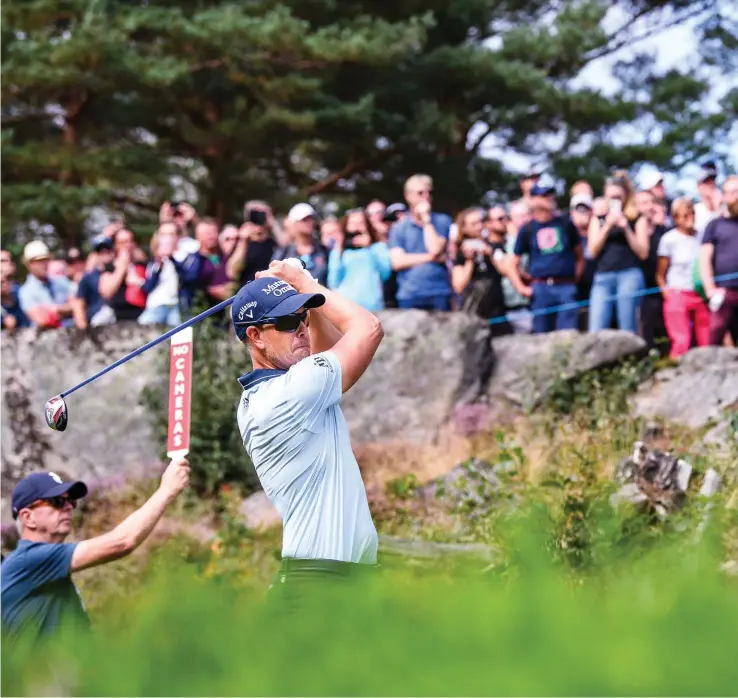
(180, 394)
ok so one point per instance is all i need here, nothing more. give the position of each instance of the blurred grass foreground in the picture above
(663, 621)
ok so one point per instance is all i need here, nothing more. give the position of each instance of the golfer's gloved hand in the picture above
(175, 478)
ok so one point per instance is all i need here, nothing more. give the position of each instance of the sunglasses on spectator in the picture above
(498, 219)
(424, 192)
(286, 323)
(56, 502)
(229, 238)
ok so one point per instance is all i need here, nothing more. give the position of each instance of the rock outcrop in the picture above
(433, 382)
(109, 429)
(703, 388)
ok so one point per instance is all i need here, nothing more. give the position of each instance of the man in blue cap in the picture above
(554, 249)
(38, 594)
(308, 346)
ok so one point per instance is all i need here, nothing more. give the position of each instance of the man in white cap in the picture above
(305, 245)
(653, 182)
(44, 299)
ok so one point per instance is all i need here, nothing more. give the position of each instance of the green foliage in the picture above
(118, 105)
(217, 455)
(602, 392)
(403, 487)
(666, 623)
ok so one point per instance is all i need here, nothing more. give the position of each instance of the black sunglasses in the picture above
(56, 502)
(286, 323)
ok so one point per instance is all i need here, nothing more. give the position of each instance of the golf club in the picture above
(56, 411)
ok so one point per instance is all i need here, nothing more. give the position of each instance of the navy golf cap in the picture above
(267, 298)
(44, 486)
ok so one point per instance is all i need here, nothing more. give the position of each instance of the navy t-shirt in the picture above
(88, 291)
(37, 591)
(424, 280)
(722, 234)
(550, 247)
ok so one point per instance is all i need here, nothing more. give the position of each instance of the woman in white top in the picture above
(678, 252)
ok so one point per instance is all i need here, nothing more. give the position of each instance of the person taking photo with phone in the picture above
(121, 282)
(256, 244)
(618, 247)
(359, 264)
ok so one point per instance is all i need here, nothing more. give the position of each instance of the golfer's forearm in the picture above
(345, 315)
(323, 333)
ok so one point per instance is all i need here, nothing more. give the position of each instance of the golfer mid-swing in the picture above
(308, 346)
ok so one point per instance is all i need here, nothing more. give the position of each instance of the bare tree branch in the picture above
(629, 40)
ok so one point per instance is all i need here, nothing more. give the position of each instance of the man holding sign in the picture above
(38, 595)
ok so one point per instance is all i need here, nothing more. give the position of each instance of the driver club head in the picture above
(57, 416)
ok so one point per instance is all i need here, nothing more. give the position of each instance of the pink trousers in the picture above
(681, 310)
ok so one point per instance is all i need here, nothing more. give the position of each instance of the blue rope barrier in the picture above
(583, 304)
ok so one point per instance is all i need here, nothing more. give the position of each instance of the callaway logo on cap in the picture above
(267, 298)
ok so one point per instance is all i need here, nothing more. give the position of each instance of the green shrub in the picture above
(666, 623)
(217, 455)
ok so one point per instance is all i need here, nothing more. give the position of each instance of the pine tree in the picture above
(120, 104)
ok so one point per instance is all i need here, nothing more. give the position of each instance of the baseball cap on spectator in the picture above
(543, 187)
(101, 242)
(74, 255)
(533, 172)
(396, 208)
(268, 298)
(299, 212)
(651, 179)
(708, 171)
(44, 486)
(35, 250)
(581, 200)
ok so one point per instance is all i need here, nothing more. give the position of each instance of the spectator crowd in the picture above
(630, 258)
